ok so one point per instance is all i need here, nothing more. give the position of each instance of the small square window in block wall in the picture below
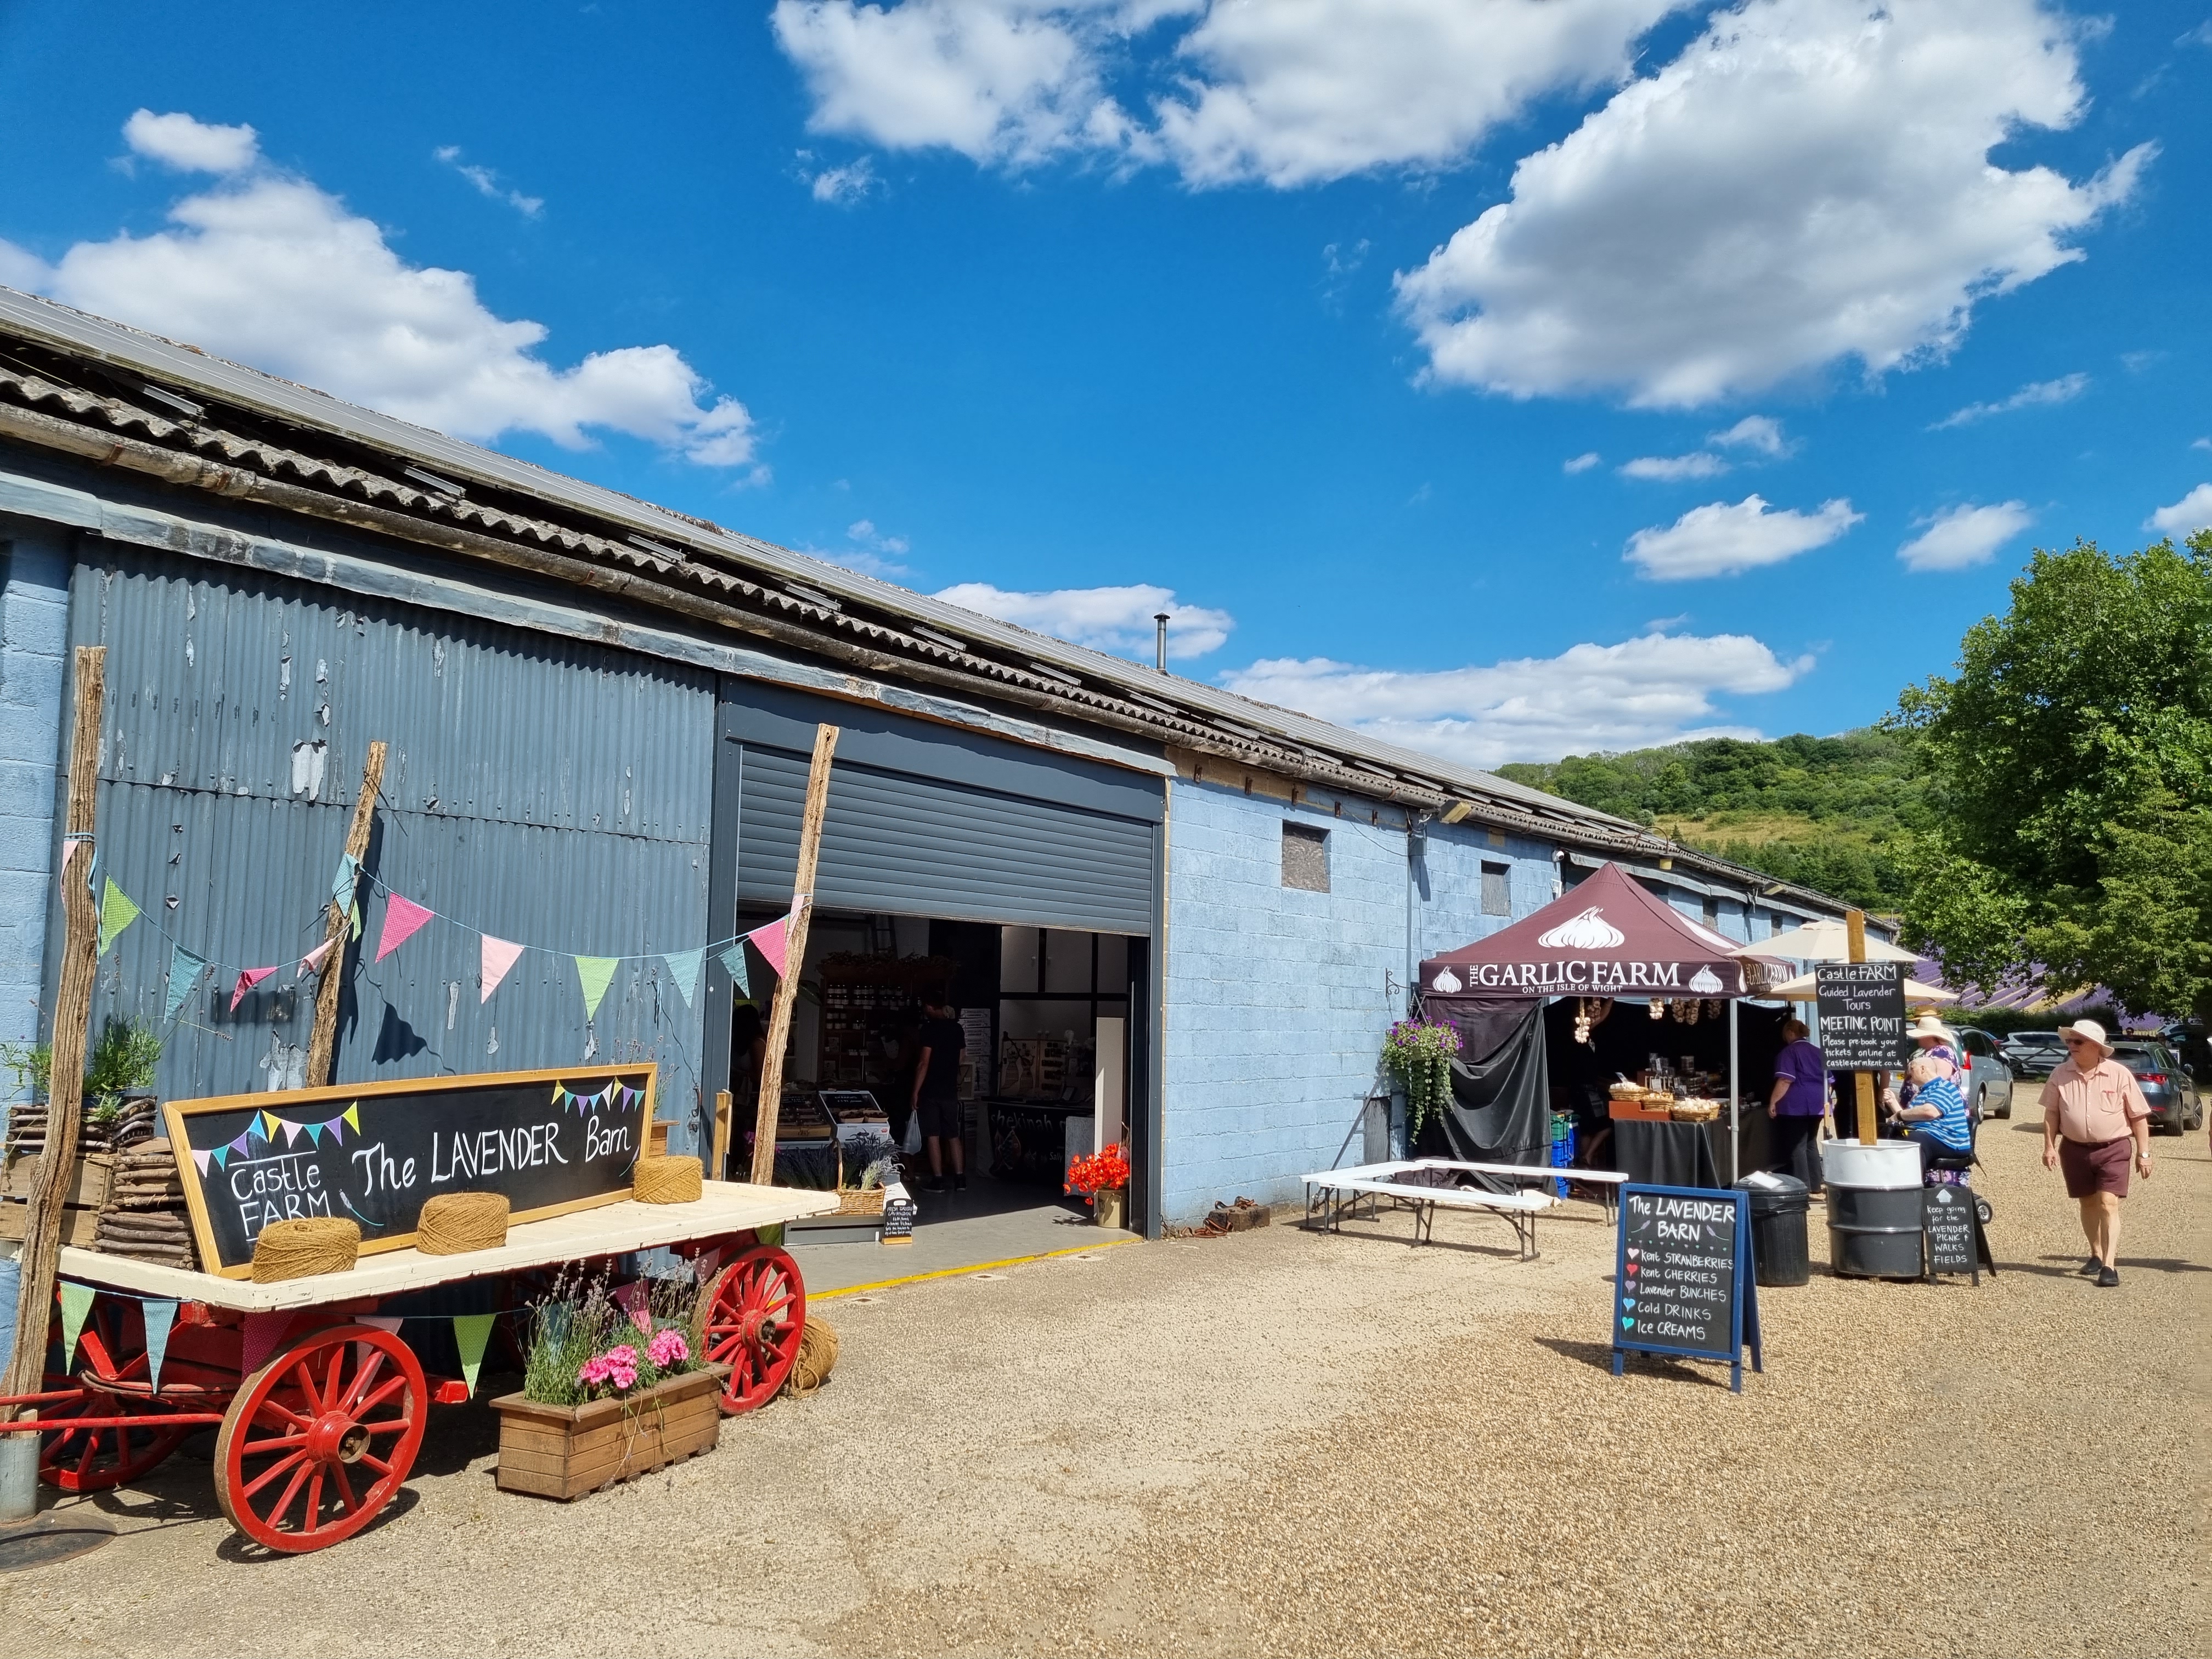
(1305, 858)
(1496, 889)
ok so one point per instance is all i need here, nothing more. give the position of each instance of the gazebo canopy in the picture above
(1610, 937)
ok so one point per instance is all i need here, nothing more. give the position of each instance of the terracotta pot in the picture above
(1107, 1205)
(565, 1451)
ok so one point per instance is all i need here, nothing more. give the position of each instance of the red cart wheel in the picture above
(320, 1438)
(111, 1350)
(751, 1320)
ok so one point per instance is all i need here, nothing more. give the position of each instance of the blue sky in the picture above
(1507, 377)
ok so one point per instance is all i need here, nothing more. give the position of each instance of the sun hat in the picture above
(1930, 1026)
(2090, 1030)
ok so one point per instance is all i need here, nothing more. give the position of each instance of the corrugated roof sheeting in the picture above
(551, 793)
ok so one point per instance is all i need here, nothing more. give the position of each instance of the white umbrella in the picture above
(1822, 941)
(1802, 989)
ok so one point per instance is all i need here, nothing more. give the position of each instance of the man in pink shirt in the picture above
(2094, 1117)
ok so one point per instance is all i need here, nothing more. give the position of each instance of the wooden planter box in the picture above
(565, 1451)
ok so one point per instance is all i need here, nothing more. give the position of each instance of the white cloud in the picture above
(838, 185)
(270, 269)
(487, 183)
(1720, 540)
(2201, 443)
(1117, 619)
(1669, 468)
(1964, 535)
(1288, 93)
(190, 146)
(1582, 462)
(1809, 181)
(1761, 433)
(2036, 394)
(864, 532)
(2192, 512)
(1657, 688)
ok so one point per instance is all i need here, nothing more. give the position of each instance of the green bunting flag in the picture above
(684, 967)
(160, 1314)
(77, 1302)
(595, 973)
(185, 971)
(117, 913)
(734, 960)
(470, 1333)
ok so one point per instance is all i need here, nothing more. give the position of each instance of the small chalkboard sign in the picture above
(899, 1216)
(1862, 1014)
(1682, 1277)
(1953, 1231)
(372, 1153)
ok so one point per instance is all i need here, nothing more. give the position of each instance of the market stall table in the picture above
(1652, 1154)
(310, 1413)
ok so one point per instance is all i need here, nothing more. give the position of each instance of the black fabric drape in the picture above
(1501, 1108)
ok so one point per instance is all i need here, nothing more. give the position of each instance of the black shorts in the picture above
(941, 1118)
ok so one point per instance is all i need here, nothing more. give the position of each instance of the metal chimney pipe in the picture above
(1160, 644)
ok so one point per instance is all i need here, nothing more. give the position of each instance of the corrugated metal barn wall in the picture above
(551, 793)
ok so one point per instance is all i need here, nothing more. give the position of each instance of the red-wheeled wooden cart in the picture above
(320, 1435)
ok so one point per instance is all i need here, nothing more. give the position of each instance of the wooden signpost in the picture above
(794, 956)
(550, 1141)
(324, 1037)
(1682, 1277)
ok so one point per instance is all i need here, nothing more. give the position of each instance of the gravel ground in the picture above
(1280, 1443)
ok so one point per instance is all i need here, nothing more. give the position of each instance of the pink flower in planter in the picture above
(622, 1367)
(667, 1349)
(593, 1372)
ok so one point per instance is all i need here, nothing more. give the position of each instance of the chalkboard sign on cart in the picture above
(374, 1153)
(1682, 1277)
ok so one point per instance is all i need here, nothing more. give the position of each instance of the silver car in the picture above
(2175, 1104)
(1989, 1091)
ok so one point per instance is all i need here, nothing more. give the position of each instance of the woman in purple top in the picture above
(1796, 1107)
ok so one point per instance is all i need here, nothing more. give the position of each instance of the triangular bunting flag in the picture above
(185, 971)
(291, 1130)
(160, 1314)
(595, 973)
(684, 967)
(402, 918)
(498, 955)
(705, 1263)
(635, 1299)
(77, 1302)
(260, 1339)
(734, 959)
(247, 979)
(218, 1155)
(470, 1333)
(349, 876)
(356, 921)
(69, 844)
(253, 1132)
(201, 1159)
(352, 1116)
(388, 1323)
(270, 1124)
(314, 1133)
(770, 942)
(117, 913)
(312, 961)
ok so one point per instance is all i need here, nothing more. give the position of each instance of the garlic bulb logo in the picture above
(1447, 981)
(1707, 981)
(1588, 932)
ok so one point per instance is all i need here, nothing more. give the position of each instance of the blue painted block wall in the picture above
(1277, 998)
(34, 632)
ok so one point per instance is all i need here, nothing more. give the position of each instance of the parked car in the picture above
(1989, 1093)
(2175, 1103)
(2034, 1053)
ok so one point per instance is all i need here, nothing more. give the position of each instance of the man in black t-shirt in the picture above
(937, 1092)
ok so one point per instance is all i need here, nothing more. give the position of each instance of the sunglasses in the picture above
(2079, 1042)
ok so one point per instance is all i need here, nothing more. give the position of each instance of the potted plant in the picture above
(1103, 1178)
(613, 1386)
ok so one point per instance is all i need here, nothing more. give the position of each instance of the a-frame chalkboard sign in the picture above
(1682, 1277)
(374, 1153)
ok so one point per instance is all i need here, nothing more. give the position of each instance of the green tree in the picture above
(2071, 755)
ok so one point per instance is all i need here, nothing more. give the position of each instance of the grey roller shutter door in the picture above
(897, 844)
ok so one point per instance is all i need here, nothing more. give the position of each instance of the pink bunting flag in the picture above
(68, 852)
(771, 942)
(705, 1262)
(247, 979)
(402, 919)
(260, 1337)
(312, 961)
(388, 1323)
(498, 955)
(636, 1300)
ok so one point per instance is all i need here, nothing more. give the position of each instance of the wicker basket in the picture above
(852, 1200)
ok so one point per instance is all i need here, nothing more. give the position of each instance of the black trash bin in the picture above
(1779, 1252)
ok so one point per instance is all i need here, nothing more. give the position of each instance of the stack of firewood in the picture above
(145, 1217)
(133, 1122)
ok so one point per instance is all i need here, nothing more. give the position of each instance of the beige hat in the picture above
(2090, 1030)
(1930, 1026)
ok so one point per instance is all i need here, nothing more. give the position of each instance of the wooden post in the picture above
(1862, 1082)
(80, 967)
(324, 1037)
(720, 1162)
(794, 956)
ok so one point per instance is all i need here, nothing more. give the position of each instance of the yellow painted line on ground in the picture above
(978, 1268)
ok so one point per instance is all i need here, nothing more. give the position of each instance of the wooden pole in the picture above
(720, 1161)
(80, 967)
(795, 949)
(1854, 936)
(324, 1035)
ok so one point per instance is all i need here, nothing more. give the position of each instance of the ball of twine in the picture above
(667, 1179)
(453, 1224)
(305, 1247)
(817, 1356)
